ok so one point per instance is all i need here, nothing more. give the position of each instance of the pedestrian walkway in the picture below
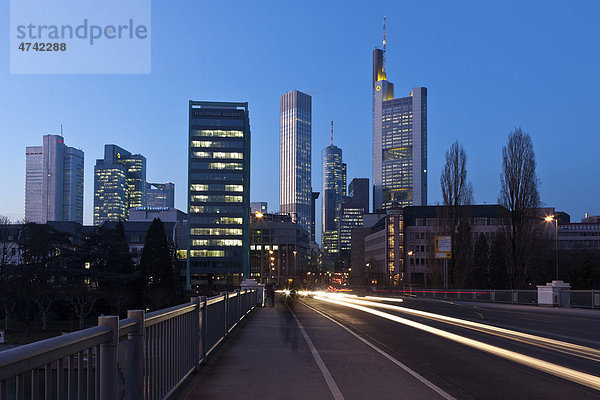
(271, 357)
(266, 358)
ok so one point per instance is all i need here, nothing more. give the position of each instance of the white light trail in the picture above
(539, 341)
(582, 378)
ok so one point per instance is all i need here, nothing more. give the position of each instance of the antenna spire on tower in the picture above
(383, 64)
(331, 133)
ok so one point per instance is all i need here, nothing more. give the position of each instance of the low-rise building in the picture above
(279, 249)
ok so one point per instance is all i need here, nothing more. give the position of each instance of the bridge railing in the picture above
(143, 356)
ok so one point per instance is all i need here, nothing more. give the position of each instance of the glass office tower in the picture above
(333, 185)
(399, 143)
(53, 182)
(119, 184)
(295, 193)
(218, 193)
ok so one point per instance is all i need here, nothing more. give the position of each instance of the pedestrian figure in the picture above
(271, 293)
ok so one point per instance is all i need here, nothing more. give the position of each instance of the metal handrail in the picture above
(21, 359)
(161, 315)
(162, 349)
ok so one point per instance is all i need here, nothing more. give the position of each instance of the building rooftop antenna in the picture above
(331, 133)
(61, 131)
(383, 64)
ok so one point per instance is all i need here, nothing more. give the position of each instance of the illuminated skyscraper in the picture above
(53, 182)
(333, 184)
(119, 184)
(218, 193)
(399, 142)
(333, 188)
(295, 193)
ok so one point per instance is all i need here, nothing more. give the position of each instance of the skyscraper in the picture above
(218, 193)
(334, 189)
(295, 191)
(358, 191)
(399, 141)
(53, 182)
(333, 184)
(119, 184)
(350, 212)
(160, 194)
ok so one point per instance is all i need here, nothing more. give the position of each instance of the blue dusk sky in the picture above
(488, 66)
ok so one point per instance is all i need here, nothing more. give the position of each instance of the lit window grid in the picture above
(295, 157)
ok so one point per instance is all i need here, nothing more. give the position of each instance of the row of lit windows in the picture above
(207, 253)
(234, 144)
(200, 187)
(266, 247)
(217, 242)
(217, 198)
(218, 154)
(216, 231)
(217, 133)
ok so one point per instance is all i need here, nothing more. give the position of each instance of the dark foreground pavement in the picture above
(269, 357)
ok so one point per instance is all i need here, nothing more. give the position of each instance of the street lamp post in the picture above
(295, 267)
(552, 218)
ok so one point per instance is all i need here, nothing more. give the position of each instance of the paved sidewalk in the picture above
(268, 357)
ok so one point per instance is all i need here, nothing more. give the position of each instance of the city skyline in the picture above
(492, 100)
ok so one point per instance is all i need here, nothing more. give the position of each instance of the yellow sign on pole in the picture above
(443, 247)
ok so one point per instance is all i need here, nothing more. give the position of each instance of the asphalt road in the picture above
(455, 357)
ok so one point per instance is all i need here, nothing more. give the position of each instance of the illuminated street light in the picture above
(550, 219)
(259, 214)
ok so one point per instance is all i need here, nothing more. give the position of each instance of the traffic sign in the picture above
(443, 247)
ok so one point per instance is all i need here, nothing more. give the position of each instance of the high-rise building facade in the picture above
(160, 194)
(295, 190)
(350, 212)
(333, 185)
(218, 193)
(53, 182)
(119, 184)
(358, 191)
(399, 142)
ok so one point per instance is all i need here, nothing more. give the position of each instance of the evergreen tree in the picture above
(481, 278)
(498, 274)
(463, 255)
(157, 267)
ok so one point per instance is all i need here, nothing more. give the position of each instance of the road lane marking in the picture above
(413, 373)
(582, 378)
(333, 387)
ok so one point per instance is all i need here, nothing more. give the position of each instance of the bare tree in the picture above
(5, 228)
(456, 191)
(519, 194)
